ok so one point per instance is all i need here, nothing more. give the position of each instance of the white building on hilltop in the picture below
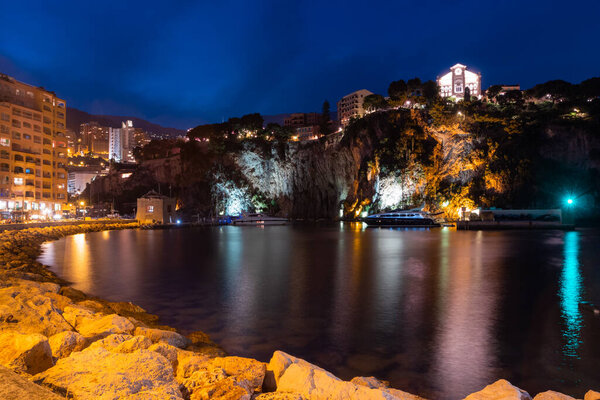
(453, 83)
(351, 105)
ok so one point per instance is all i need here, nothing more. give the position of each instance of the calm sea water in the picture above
(437, 312)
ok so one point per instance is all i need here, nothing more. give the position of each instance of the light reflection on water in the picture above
(436, 312)
(571, 287)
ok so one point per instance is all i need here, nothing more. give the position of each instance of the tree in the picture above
(325, 125)
(493, 91)
(467, 94)
(511, 97)
(430, 91)
(252, 122)
(397, 90)
(374, 102)
(414, 86)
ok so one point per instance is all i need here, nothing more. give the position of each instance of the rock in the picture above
(592, 395)
(74, 315)
(295, 375)
(221, 377)
(73, 294)
(122, 307)
(104, 326)
(134, 344)
(64, 343)
(29, 353)
(159, 335)
(280, 396)
(248, 373)
(500, 390)
(225, 389)
(370, 382)
(16, 387)
(110, 342)
(167, 351)
(552, 395)
(30, 309)
(188, 363)
(98, 373)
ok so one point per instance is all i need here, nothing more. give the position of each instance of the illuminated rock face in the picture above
(552, 395)
(99, 373)
(25, 353)
(16, 387)
(500, 390)
(294, 375)
(159, 335)
(64, 343)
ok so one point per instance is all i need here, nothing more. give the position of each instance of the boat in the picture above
(259, 219)
(411, 218)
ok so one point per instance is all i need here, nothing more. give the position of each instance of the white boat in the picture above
(259, 219)
(413, 217)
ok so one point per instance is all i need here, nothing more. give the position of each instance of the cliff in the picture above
(386, 160)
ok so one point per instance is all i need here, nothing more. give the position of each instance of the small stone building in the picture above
(155, 208)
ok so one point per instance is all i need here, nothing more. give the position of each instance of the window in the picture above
(4, 142)
(26, 136)
(18, 181)
(16, 135)
(5, 117)
(149, 209)
(37, 139)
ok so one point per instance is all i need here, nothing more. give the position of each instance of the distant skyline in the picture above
(186, 63)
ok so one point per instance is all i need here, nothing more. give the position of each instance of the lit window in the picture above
(18, 181)
(4, 142)
(149, 209)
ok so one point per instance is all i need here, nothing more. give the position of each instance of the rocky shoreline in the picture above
(57, 342)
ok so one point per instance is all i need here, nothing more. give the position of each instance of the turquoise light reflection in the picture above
(570, 295)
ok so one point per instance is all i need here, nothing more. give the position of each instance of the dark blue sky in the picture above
(181, 63)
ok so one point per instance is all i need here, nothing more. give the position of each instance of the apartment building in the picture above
(121, 142)
(351, 106)
(94, 138)
(33, 149)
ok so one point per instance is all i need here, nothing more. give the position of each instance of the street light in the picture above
(570, 201)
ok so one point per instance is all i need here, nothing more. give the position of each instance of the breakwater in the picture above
(87, 347)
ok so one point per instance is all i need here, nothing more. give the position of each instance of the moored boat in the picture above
(411, 218)
(259, 219)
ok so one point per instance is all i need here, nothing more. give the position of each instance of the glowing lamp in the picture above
(570, 201)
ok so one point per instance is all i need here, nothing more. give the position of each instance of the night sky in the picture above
(182, 63)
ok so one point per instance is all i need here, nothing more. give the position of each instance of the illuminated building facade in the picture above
(33, 149)
(351, 106)
(153, 207)
(306, 125)
(94, 138)
(121, 142)
(453, 83)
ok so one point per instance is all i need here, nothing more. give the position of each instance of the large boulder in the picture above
(29, 353)
(99, 373)
(592, 395)
(64, 343)
(552, 395)
(294, 375)
(221, 377)
(16, 387)
(32, 308)
(107, 325)
(159, 335)
(500, 390)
